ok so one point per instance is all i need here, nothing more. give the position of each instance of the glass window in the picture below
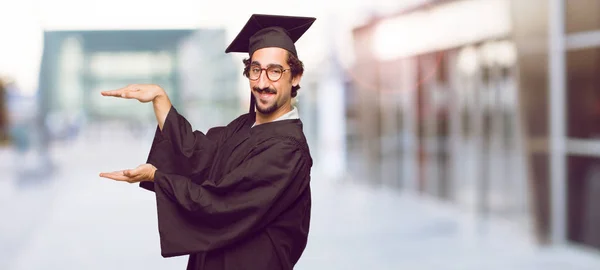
(582, 15)
(583, 200)
(583, 93)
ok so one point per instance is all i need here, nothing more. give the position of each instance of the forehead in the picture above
(271, 55)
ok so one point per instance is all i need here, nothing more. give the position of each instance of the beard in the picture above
(266, 110)
(269, 109)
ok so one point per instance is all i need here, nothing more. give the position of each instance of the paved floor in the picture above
(73, 219)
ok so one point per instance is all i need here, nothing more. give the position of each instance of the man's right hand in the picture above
(145, 93)
(142, 92)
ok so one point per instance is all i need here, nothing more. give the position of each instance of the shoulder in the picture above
(232, 127)
(291, 129)
(285, 146)
(241, 120)
(281, 141)
(282, 132)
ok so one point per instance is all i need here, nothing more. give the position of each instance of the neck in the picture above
(265, 118)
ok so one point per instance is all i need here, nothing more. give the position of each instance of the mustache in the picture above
(265, 90)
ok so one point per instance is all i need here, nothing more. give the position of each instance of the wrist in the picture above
(161, 101)
(160, 94)
(152, 173)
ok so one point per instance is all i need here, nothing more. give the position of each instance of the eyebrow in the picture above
(268, 66)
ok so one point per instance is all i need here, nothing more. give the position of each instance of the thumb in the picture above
(135, 172)
(130, 173)
(130, 94)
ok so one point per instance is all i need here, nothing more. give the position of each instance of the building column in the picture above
(557, 73)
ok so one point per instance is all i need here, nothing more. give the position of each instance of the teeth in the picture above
(266, 96)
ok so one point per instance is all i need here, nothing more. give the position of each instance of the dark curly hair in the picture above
(296, 68)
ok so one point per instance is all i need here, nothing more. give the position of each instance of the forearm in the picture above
(162, 105)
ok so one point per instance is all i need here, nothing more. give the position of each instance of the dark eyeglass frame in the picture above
(267, 71)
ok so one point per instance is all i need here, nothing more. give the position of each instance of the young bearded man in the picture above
(237, 196)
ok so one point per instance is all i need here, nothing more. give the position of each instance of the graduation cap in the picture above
(262, 31)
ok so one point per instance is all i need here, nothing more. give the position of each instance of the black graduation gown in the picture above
(234, 198)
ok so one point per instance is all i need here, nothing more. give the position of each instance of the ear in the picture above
(296, 80)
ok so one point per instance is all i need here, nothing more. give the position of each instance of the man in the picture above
(237, 197)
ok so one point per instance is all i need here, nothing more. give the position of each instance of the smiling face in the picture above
(272, 97)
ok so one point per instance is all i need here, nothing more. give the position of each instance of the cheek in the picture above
(279, 89)
(284, 88)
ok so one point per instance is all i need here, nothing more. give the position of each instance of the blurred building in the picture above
(488, 105)
(4, 137)
(189, 64)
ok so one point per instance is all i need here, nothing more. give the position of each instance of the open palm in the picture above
(144, 172)
(142, 92)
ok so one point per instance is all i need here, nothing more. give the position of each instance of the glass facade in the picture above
(77, 65)
(583, 94)
(470, 124)
(582, 27)
(581, 15)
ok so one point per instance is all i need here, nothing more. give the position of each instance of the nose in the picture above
(263, 80)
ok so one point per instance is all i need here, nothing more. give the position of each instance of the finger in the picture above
(119, 176)
(112, 93)
(129, 173)
(116, 177)
(113, 175)
(119, 92)
(131, 94)
(107, 173)
(133, 179)
(138, 171)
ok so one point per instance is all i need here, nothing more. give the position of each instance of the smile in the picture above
(265, 96)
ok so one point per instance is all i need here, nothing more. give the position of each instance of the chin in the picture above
(266, 109)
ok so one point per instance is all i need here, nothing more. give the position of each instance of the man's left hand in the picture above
(144, 172)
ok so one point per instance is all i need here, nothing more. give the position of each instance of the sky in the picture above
(23, 22)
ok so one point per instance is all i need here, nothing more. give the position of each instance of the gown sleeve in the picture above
(195, 218)
(178, 148)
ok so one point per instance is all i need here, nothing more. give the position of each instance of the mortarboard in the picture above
(262, 31)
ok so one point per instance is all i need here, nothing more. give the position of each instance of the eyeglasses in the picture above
(273, 73)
